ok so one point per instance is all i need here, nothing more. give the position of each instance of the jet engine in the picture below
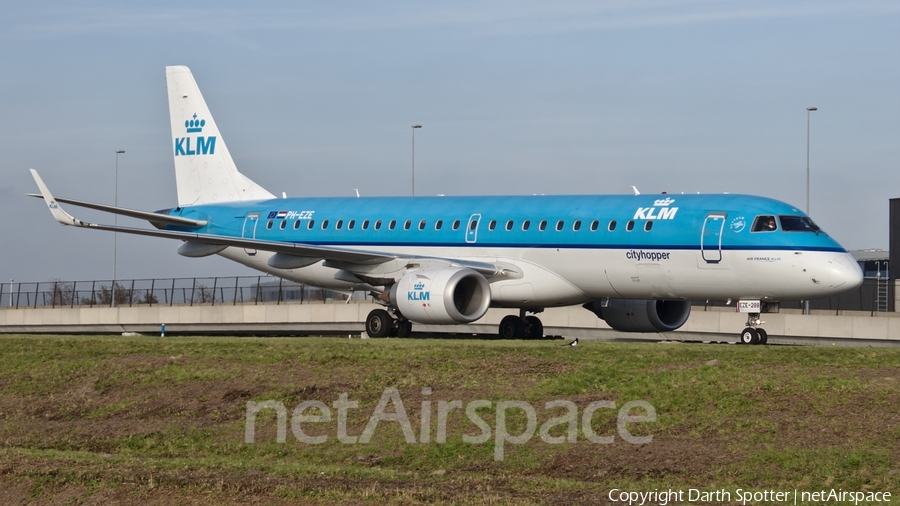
(442, 295)
(632, 315)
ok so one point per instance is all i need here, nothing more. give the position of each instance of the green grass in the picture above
(148, 417)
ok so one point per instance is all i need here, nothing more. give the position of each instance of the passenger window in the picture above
(509, 225)
(339, 224)
(629, 226)
(612, 225)
(765, 224)
(324, 224)
(350, 225)
(438, 224)
(492, 225)
(577, 225)
(365, 225)
(269, 225)
(310, 224)
(456, 225)
(422, 225)
(526, 224)
(283, 224)
(543, 225)
(648, 226)
(377, 224)
(296, 224)
(406, 224)
(594, 225)
(392, 224)
(473, 225)
(559, 225)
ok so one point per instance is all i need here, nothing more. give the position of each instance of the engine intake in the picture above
(633, 315)
(443, 295)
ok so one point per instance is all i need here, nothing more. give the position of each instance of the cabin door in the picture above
(711, 238)
(249, 230)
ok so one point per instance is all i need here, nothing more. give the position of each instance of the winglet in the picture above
(636, 192)
(57, 212)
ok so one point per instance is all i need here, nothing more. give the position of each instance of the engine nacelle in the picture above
(632, 315)
(443, 295)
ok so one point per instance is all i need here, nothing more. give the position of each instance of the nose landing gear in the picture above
(754, 334)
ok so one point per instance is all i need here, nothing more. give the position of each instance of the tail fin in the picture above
(204, 170)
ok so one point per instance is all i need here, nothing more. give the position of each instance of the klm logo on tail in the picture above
(202, 145)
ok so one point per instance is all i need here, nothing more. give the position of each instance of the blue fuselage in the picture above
(577, 248)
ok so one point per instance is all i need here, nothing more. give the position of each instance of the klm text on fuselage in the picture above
(655, 213)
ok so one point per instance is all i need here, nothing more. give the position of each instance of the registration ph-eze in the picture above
(202, 145)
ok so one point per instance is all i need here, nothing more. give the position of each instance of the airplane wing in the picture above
(297, 249)
(154, 218)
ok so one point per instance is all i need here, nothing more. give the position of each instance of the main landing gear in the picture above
(754, 334)
(380, 323)
(521, 327)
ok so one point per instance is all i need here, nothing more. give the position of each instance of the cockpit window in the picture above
(798, 224)
(765, 223)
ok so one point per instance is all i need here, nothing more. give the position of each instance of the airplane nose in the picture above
(844, 273)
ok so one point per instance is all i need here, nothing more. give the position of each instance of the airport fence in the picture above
(168, 292)
(267, 290)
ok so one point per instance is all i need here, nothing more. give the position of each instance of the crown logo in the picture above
(194, 125)
(419, 286)
(663, 202)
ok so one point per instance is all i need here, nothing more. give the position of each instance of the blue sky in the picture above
(317, 98)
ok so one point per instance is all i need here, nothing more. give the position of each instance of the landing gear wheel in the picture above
(512, 327)
(379, 323)
(763, 336)
(404, 328)
(749, 336)
(534, 326)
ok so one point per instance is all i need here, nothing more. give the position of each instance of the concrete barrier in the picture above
(340, 318)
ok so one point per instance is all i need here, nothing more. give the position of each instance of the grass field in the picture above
(162, 420)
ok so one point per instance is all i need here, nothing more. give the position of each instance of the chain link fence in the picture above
(267, 290)
(165, 292)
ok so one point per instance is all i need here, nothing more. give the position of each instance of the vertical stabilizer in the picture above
(204, 170)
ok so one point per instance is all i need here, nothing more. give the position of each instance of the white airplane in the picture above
(634, 260)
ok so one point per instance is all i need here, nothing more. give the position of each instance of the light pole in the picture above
(808, 110)
(115, 222)
(414, 127)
